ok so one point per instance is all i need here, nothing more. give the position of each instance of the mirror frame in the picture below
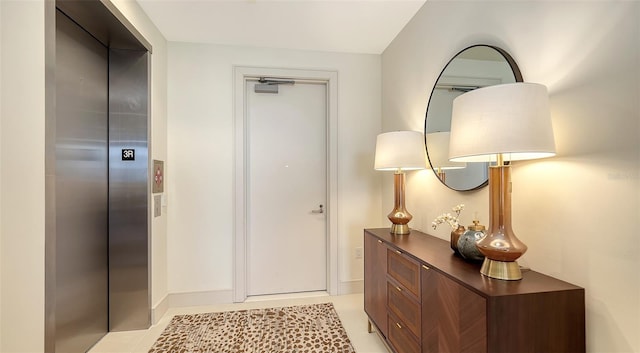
(517, 76)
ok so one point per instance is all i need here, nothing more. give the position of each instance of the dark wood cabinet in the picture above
(405, 308)
(401, 338)
(403, 302)
(422, 298)
(404, 270)
(375, 285)
(455, 317)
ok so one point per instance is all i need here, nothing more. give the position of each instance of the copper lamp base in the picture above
(505, 270)
(399, 216)
(501, 246)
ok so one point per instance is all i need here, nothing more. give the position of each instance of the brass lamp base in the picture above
(505, 270)
(400, 229)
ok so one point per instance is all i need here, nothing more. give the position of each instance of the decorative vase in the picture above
(455, 235)
(467, 242)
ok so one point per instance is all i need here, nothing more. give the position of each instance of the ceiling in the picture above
(350, 26)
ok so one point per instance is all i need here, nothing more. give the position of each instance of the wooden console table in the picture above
(421, 298)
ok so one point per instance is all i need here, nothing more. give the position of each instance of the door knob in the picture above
(321, 210)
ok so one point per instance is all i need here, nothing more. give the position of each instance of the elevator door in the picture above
(81, 303)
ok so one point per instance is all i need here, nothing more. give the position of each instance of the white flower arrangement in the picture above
(449, 218)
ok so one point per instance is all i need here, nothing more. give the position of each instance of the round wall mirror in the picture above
(474, 67)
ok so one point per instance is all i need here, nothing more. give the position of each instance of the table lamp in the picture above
(501, 123)
(438, 153)
(400, 151)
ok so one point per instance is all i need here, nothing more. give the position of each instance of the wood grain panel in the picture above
(401, 338)
(404, 270)
(473, 321)
(517, 323)
(429, 310)
(405, 308)
(448, 316)
(375, 282)
(464, 314)
(454, 318)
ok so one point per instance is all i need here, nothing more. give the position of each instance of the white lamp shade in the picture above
(510, 119)
(400, 150)
(438, 151)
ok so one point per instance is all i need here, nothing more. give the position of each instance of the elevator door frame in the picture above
(109, 26)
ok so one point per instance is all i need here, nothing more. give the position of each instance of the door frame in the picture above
(241, 75)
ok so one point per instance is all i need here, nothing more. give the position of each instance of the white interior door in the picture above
(286, 189)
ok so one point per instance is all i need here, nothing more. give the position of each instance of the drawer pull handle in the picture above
(399, 326)
(398, 252)
(425, 267)
(399, 289)
(379, 241)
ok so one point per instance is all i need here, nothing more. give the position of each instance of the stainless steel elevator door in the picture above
(81, 201)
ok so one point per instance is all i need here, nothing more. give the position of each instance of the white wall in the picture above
(22, 174)
(200, 138)
(579, 211)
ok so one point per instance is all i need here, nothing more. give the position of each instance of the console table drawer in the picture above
(404, 270)
(401, 338)
(407, 310)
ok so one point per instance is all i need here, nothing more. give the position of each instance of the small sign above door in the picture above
(128, 154)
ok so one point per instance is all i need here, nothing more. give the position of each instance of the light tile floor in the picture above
(349, 308)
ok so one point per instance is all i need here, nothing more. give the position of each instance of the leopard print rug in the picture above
(312, 328)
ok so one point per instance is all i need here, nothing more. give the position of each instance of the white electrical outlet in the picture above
(358, 253)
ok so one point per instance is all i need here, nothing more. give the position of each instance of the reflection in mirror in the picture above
(474, 67)
(438, 147)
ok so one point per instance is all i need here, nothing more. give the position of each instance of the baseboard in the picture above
(351, 287)
(158, 311)
(177, 300)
